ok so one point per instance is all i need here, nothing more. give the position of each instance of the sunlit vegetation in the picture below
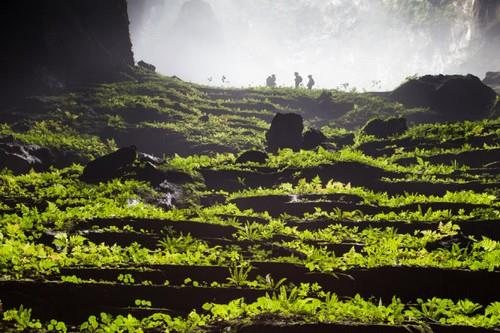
(250, 250)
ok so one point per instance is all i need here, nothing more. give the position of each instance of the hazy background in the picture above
(369, 44)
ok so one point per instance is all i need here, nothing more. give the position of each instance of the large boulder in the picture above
(313, 138)
(384, 128)
(454, 96)
(285, 132)
(109, 166)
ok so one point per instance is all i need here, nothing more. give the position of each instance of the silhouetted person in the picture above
(298, 80)
(224, 78)
(271, 81)
(310, 83)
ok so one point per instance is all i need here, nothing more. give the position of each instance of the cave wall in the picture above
(487, 20)
(49, 44)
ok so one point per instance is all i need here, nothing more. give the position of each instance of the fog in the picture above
(367, 44)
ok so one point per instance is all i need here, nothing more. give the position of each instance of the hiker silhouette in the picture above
(271, 81)
(298, 80)
(310, 83)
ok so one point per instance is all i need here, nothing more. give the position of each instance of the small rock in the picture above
(312, 139)
(253, 156)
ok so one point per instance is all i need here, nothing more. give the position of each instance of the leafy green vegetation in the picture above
(240, 225)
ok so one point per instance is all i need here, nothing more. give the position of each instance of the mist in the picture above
(366, 44)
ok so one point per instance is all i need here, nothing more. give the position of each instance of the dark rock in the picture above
(13, 162)
(456, 96)
(416, 93)
(381, 128)
(45, 155)
(146, 66)
(109, 166)
(492, 78)
(285, 132)
(19, 160)
(253, 156)
(343, 140)
(312, 139)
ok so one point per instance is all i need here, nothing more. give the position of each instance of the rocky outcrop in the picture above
(48, 44)
(456, 97)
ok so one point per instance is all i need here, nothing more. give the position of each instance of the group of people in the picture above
(271, 81)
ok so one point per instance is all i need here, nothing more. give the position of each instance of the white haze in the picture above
(369, 44)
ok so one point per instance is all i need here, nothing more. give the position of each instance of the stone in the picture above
(384, 128)
(19, 160)
(313, 138)
(285, 132)
(254, 156)
(457, 97)
(109, 166)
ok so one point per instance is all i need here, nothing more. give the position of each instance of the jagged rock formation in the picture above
(47, 44)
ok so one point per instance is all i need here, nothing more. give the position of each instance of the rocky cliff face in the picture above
(48, 44)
